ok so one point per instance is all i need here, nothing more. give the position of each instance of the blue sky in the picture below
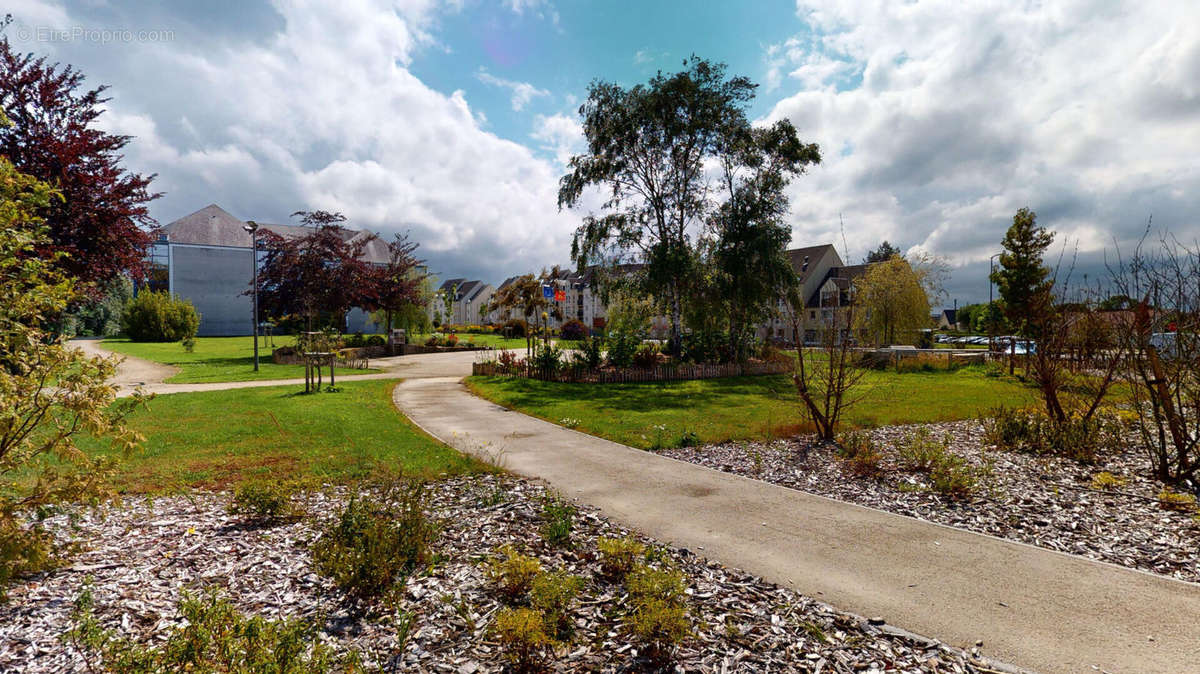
(937, 119)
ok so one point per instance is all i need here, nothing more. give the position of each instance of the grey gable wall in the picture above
(214, 279)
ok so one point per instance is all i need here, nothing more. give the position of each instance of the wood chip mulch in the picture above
(140, 557)
(1045, 501)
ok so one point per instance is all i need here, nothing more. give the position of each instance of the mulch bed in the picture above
(1044, 501)
(143, 555)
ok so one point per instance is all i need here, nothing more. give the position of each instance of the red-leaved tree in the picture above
(397, 284)
(320, 275)
(102, 221)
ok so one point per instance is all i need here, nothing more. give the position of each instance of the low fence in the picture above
(670, 372)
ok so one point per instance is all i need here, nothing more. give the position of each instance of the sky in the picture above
(453, 121)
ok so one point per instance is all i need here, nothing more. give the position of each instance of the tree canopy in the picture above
(100, 224)
(883, 253)
(892, 300)
(649, 149)
(320, 274)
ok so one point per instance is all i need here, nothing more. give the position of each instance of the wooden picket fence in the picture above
(667, 372)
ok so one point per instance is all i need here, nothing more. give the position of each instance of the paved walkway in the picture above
(1031, 607)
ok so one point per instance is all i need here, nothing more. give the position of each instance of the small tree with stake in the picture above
(826, 378)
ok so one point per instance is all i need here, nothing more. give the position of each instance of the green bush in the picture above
(376, 340)
(552, 593)
(919, 450)
(24, 551)
(658, 618)
(515, 327)
(264, 501)
(547, 360)
(355, 341)
(859, 456)
(952, 476)
(160, 317)
(706, 346)
(621, 348)
(618, 556)
(513, 573)
(590, 353)
(522, 634)
(213, 637)
(557, 516)
(1033, 432)
(375, 542)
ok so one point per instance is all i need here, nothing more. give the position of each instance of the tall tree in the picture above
(883, 253)
(321, 273)
(1022, 278)
(749, 255)
(647, 148)
(892, 300)
(525, 298)
(101, 221)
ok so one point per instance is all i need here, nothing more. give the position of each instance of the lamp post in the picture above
(251, 228)
(991, 323)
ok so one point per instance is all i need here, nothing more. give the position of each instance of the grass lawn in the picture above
(744, 408)
(214, 359)
(218, 438)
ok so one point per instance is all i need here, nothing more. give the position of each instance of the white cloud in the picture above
(522, 92)
(939, 119)
(324, 114)
(560, 134)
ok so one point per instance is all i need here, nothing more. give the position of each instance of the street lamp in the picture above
(251, 228)
(991, 322)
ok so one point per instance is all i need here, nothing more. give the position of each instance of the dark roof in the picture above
(803, 258)
(450, 283)
(214, 226)
(951, 315)
(466, 289)
(507, 282)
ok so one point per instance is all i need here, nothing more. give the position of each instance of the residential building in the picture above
(470, 302)
(205, 257)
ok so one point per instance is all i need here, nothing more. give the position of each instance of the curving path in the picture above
(1031, 607)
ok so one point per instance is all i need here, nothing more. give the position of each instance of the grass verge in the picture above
(656, 415)
(215, 359)
(216, 439)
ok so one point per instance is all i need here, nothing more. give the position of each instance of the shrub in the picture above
(513, 573)
(919, 450)
(547, 360)
(374, 543)
(433, 340)
(619, 555)
(1177, 501)
(552, 593)
(1031, 431)
(264, 501)
(557, 515)
(859, 456)
(688, 439)
(355, 341)
(658, 618)
(589, 354)
(507, 360)
(376, 340)
(573, 330)
(621, 348)
(189, 344)
(646, 356)
(522, 635)
(706, 346)
(213, 637)
(452, 339)
(1105, 480)
(24, 551)
(952, 476)
(160, 317)
(516, 327)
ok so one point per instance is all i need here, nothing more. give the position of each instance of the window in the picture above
(158, 271)
(812, 314)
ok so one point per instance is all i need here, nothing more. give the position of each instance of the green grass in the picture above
(215, 359)
(746, 408)
(218, 438)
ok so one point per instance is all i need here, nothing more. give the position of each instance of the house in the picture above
(469, 302)
(205, 257)
(947, 319)
(825, 282)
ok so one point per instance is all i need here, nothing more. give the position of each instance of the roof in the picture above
(950, 315)
(842, 277)
(214, 226)
(801, 258)
(450, 283)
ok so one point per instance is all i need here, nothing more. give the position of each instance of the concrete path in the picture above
(1030, 607)
(135, 373)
